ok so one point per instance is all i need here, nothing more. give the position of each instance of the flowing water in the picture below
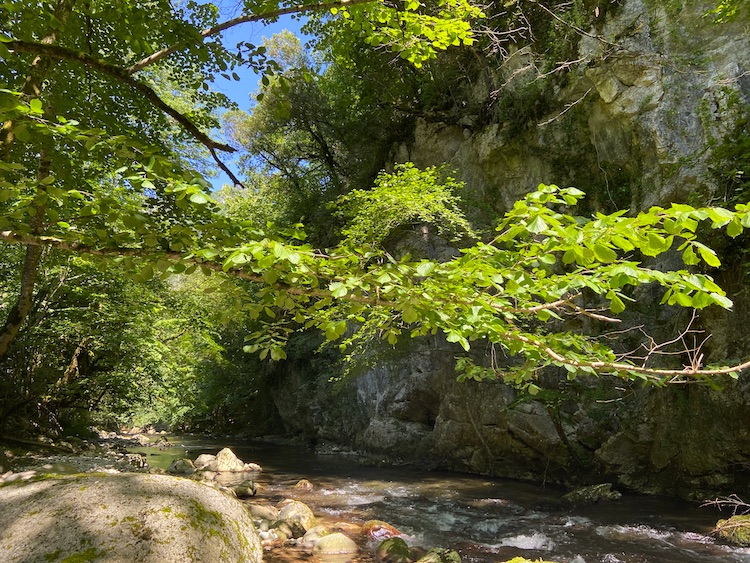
(485, 520)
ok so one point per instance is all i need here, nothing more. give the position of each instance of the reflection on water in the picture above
(486, 520)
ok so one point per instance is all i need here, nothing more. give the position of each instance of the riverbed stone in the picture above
(304, 485)
(335, 544)
(591, 495)
(246, 489)
(440, 555)
(263, 511)
(298, 516)
(123, 518)
(379, 530)
(226, 461)
(181, 467)
(203, 460)
(313, 536)
(394, 550)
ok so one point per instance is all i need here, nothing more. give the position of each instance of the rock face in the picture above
(123, 518)
(646, 103)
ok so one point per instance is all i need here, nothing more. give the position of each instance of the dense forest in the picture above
(133, 293)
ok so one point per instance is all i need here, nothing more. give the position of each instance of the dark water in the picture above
(486, 520)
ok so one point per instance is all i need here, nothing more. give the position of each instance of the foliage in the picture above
(726, 10)
(100, 107)
(731, 158)
(316, 132)
(418, 30)
(407, 196)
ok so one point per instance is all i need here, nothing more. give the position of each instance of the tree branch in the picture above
(215, 30)
(676, 374)
(63, 53)
(684, 375)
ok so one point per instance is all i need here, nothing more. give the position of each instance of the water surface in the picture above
(485, 520)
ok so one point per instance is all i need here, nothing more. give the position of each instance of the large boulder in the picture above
(123, 518)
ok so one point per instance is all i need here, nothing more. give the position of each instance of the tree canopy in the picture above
(106, 112)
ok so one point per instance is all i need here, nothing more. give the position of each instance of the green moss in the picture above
(735, 530)
(84, 556)
(54, 556)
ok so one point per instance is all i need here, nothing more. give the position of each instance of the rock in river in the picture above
(298, 516)
(123, 518)
(735, 530)
(335, 544)
(226, 461)
(181, 467)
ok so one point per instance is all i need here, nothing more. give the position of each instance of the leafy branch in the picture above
(533, 271)
(63, 53)
(246, 18)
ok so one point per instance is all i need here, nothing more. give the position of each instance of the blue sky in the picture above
(243, 91)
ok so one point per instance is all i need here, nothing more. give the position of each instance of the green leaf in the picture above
(616, 304)
(335, 329)
(338, 289)
(199, 198)
(708, 255)
(689, 257)
(604, 254)
(734, 228)
(278, 353)
(537, 225)
(425, 268)
(409, 314)
(36, 106)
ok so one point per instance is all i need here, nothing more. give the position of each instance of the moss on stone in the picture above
(735, 530)
(83, 556)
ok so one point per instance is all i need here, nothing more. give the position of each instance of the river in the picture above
(485, 520)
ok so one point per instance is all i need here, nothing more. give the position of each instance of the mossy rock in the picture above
(125, 517)
(335, 544)
(735, 530)
(591, 495)
(439, 555)
(394, 550)
(298, 516)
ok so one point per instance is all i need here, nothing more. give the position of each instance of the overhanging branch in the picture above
(120, 74)
(215, 30)
(688, 373)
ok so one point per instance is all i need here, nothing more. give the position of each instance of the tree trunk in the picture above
(33, 88)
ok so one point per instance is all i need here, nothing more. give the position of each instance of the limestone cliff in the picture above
(656, 87)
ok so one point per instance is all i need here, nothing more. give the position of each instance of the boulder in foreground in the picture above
(122, 519)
